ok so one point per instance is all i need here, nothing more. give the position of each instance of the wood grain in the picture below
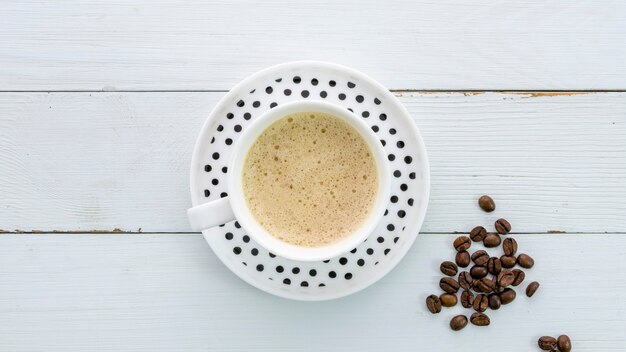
(170, 293)
(105, 161)
(406, 44)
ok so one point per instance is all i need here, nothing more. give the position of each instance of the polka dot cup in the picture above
(234, 206)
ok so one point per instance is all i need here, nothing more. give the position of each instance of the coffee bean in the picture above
(509, 245)
(525, 261)
(485, 285)
(547, 343)
(564, 343)
(465, 280)
(462, 259)
(478, 272)
(507, 296)
(433, 303)
(491, 240)
(505, 278)
(494, 266)
(467, 299)
(458, 322)
(462, 243)
(481, 302)
(486, 203)
(494, 301)
(508, 261)
(448, 268)
(448, 300)
(449, 285)
(532, 288)
(480, 257)
(502, 226)
(478, 233)
(479, 319)
(519, 277)
(497, 288)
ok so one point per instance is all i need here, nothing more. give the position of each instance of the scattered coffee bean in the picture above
(462, 243)
(519, 277)
(480, 257)
(505, 278)
(525, 261)
(479, 319)
(478, 272)
(449, 285)
(509, 245)
(508, 261)
(448, 300)
(547, 343)
(462, 259)
(467, 299)
(564, 343)
(466, 280)
(502, 226)
(494, 301)
(486, 203)
(507, 296)
(485, 285)
(433, 303)
(448, 268)
(478, 233)
(494, 266)
(491, 240)
(458, 322)
(481, 302)
(532, 288)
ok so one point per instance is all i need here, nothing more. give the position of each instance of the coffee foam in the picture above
(310, 179)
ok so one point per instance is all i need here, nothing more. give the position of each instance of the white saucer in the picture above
(393, 237)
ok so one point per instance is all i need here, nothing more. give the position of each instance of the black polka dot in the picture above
(351, 85)
(410, 202)
(297, 80)
(376, 101)
(390, 227)
(332, 274)
(360, 262)
(272, 255)
(412, 175)
(392, 131)
(326, 261)
(208, 168)
(222, 225)
(332, 83)
(230, 116)
(312, 272)
(280, 269)
(212, 140)
(397, 173)
(240, 103)
(342, 96)
(395, 239)
(237, 128)
(278, 79)
(394, 199)
(348, 276)
(237, 250)
(269, 90)
(245, 238)
(287, 282)
(380, 239)
(321, 285)
(365, 114)
(382, 117)
(404, 187)
(304, 284)
(386, 212)
(237, 225)
(323, 94)
(225, 169)
(295, 270)
(314, 81)
(287, 92)
(353, 251)
(256, 104)
(254, 252)
(387, 251)
(375, 128)
(215, 182)
(273, 105)
(223, 195)
(408, 159)
(391, 157)
(216, 156)
(401, 213)
(400, 144)
(247, 116)
(370, 251)
(252, 91)
(244, 263)
(229, 235)
(343, 260)
(259, 267)
(359, 98)
(228, 141)
(220, 128)
(305, 93)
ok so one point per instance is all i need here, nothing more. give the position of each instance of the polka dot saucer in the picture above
(394, 235)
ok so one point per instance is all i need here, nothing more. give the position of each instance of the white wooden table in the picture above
(101, 102)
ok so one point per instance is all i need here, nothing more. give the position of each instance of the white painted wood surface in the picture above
(409, 44)
(100, 161)
(167, 293)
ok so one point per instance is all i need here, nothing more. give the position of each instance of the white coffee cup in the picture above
(235, 207)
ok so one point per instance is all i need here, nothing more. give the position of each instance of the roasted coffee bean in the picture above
(519, 277)
(507, 296)
(494, 266)
(433, 303)
(532, 288)
(480, 257)
(494, 301)
(491, 240)
(478, 272)
(462, 243)
(547, 343)
(481, 302)
(525, 261)
(448, 300)
(509, 245)
(487, 204)
(449, 285)
(448, 268)
(508, 261)
(564, 343)
(458, 322)
(466, 280)
(485, 285)
(502, 226)
(467, 299)
(497, 288)
(505, 278)
(462, 259)
(479, 319)
(478, 233)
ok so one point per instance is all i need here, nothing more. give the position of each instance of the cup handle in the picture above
(211, 214)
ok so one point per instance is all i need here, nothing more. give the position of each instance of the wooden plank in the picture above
(101, 161)
(170, 293)
(406, 44)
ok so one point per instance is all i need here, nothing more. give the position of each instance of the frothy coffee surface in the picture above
(310, 179)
